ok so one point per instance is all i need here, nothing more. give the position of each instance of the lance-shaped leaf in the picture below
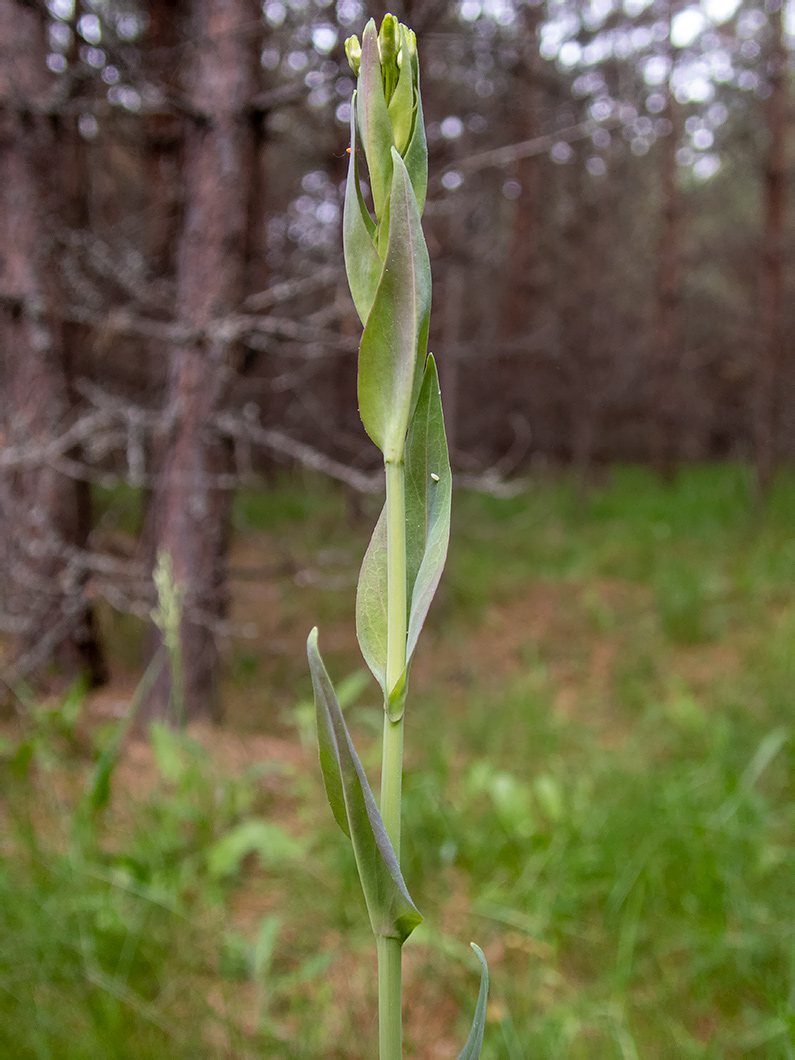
(362, 263)
(416, 156)
(401, 105)
(392, 350)
(428, 495)
(474, 1042)
(392, 912)
(429, 488)
(375, 128)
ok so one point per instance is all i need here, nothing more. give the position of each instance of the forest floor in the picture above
(599, 790)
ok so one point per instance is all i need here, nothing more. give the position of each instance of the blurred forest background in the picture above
(609, 229)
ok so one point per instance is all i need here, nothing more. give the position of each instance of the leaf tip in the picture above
(479, 953)
(474, 1042)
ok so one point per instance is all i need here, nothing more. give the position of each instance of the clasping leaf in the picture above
(374, 124)
(429, 487)
(429, 490)
(395, 337)
(362, 263)
(416, 156)
(392, 912)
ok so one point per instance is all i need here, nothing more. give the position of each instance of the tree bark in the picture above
(522, 280)
(454, 292)
(665, 411)
(44, 515)
(163, 158)
(163, 136)
(191, 506)
(766, 408)
(584, 324)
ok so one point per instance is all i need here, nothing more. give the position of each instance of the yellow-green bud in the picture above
(388, 45)
(412, 39)
(353, 51)
(387, 107)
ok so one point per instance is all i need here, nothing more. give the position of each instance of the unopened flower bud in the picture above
(388, 45)
(411, 38)
(353, 51)
(387, 111)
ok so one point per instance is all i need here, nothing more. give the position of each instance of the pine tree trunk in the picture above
(583, 321)
(191, 506)
(771, 280)
(666, 396)
(520, 303)
(44, 518)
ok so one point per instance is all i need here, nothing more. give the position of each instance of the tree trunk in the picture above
(44, 514)
(665, 411)
(163, 156)
(583, 321)
(192, 501)
(163, 136)
(453, 317)
(522, 281)
(586, 314)
(771, 280)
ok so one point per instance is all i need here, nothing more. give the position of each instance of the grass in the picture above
(602, 797)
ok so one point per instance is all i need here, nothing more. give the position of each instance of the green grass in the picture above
(640, 893)
(599, 790)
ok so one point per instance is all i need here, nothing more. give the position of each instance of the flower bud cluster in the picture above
(386, 257)
(387, 102)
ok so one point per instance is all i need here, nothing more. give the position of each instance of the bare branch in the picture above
(539, 145)
(283, 445)
(283, 292)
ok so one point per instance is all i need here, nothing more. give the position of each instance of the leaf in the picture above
(169, 751)
(401, 105)
(429, 488)
(98, 788)
(265, 946)
(416, 157)
(375, 128)
(474, 1042)
(767, 750)
(20, 761)
(392, 352)
(765, 753)
(272, 843)
(429, 485)
(392, 912)
(362, 263)
(371, 603)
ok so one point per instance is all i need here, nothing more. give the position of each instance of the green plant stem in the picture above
(392, 762)
(389, 950)
(390, 1017)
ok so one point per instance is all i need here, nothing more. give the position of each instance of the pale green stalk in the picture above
(386, 259)
(392, 760)
(390, 1003)
(390, 1023)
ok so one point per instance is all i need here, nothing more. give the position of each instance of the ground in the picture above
(598, 790)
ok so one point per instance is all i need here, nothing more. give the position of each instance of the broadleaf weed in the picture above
(400, 405)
